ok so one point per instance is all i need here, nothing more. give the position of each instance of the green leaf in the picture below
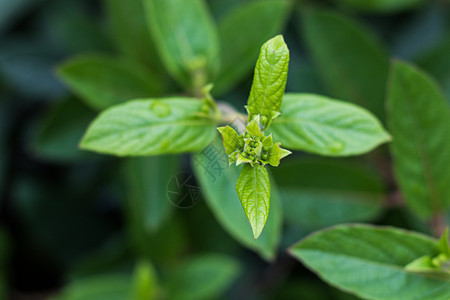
(241, 32)
(269, 81)
(150, 127)
(352, 63)
(147, 179)
(325, 126)
(253, 189)
(437, 63)
(419, 119)
(99, 287)
(145, 282)
(105, 81)
(380, 6)
(186, 39)
(130, 31)
(231, 139)
(318, 192)
(369, 261)
(217, 181)
(203, 277)
(61, 129)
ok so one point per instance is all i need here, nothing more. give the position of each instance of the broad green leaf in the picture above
(145, 282)
(350, 60)
(150, 127)
(61, 129)
(269, 81)
(437, 63)
(325, 126)
(131, 33)
(419, 119)
(369, 261)
(380, 6)
(203, 277)
(147, 179)
(253, 189)
(241, 32)
(99, 287)
(218, 181)
(318, 192)
(186, 38)
(105, 81)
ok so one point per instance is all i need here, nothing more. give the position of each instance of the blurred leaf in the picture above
(204, 277)
(380, 6)
(61, 129)
(369, 261)
(186, 38)
(105, 81)
(241, 33)
(419, 119)
(437, 63)
(147, 179)
(350, 60)
(253, 188)
(72, 27)
(100, 287)
(269, 81)
(131, 33)
(217, 182)
(145, 282)
(325, 126)
(150, 127)
(317, 193)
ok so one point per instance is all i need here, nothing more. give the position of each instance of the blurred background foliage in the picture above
(76, 225)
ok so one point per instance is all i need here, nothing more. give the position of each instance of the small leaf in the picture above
(218, 185)
(231, 139)
(203, 277)
(103, 81)
(276, 153)
(253, 188)
(253, 128)
(325, 126)
(150, 127)
(444, 244)
(269, 81)
(186, 39)
(241, 32)
(369, 261)
(419, 119)
(145, 282)
(352, 63)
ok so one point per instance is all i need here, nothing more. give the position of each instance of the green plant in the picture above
(176, 125)
(165, 83)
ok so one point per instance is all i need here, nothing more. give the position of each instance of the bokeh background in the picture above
(78, 225)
